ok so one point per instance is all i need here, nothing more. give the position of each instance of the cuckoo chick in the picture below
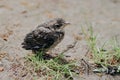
(45, 36)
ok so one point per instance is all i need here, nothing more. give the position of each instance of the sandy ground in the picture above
(18, 17)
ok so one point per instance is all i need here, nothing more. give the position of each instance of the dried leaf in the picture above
(77, 37)
(1, 69)
(6, 35)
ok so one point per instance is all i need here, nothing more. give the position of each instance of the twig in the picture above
(69, 47)
(87, 52)
(87, 67)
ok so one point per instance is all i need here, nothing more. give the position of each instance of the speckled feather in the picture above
(45, 36)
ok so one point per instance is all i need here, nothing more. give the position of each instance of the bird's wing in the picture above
(41, 38)
(35, 39)
(53, 38)
(47, 38)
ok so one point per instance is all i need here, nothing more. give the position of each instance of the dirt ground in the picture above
(18, 17)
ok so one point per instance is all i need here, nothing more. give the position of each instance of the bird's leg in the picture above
(34, 51)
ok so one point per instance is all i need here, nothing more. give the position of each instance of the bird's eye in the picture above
(57, 25)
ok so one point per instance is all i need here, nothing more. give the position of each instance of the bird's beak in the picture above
(67, 23)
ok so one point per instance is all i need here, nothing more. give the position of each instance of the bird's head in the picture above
(59, 23)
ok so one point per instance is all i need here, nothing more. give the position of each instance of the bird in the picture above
(46, 36)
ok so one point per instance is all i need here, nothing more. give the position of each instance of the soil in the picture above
(18, 17)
